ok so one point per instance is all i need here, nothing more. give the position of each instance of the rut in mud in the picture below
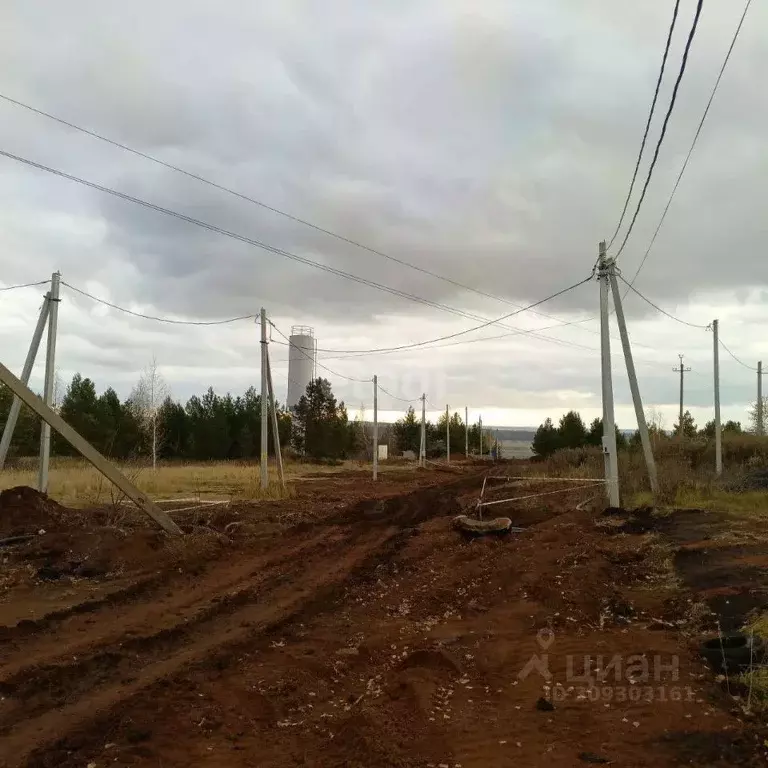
(374, 635)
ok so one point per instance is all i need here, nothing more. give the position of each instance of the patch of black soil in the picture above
(717, 748)
(730, 579)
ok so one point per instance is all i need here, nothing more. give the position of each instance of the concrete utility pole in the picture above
(423, 446)
(480, 424)
(609, 423)
(375, 427)
(760, 424)
(275, 430)
(682, 370)
(264, 397)
(50, 369)
(13, 415)
(466, 433)
(642, 425)
(447, 436)
(718, 426)
(107, 468)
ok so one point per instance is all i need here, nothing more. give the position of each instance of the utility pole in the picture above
(275, 425)
(642, 425)
(480, 423)
(50, 366)
(718, 426)
(760, 426)
(466, 432)
(447, 436)
(423, 446)
(13, 415)
(609, 423)
(375, 427)
(682, 370)
(264, 398)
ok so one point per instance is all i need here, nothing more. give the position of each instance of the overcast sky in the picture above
(488, 141)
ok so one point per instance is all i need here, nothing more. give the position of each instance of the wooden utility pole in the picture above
(682, 370)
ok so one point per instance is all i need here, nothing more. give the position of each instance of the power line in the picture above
(740, 362)
(272, 209)
(648, 122)
(153, 317)
(458, 333)
(659, 309)
(314, 359)
(250, 241)
(695, 138)
(670, 109)
(24, 285)
(395, 397)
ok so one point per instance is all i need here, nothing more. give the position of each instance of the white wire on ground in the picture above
(536, 495)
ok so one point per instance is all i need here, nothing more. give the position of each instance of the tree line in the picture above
(572, 432)
(150, 423)
(407, 434)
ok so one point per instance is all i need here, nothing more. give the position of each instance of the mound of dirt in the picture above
(25, 510)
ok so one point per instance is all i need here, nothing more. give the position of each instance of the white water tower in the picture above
(302, 355)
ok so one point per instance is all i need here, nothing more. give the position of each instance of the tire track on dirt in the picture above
(50, 704)
(105, 687)
(76, 632)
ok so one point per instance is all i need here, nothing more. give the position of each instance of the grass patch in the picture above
(76, 483)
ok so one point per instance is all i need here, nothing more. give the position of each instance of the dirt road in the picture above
(372, 634)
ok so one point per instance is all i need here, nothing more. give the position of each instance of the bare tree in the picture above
(755, 427)
(59, 390)
(146, 399)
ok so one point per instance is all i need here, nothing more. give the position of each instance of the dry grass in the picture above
(74, 482)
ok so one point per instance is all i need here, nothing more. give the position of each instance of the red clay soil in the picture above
(370, 633)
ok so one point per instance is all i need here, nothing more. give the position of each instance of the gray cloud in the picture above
(490, 143)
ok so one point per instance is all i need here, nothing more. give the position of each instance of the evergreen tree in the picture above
(407, 432)
(320, 424)
(571, 431)
(689, 426)
(546, 440)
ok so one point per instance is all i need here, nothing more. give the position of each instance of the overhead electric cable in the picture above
(740, 362)
(458, 333)
(25, 285)
(260, 203)
(314, 359)
(659, 309)
(155, 318)
(251, 241)
(670, 109)
(648, 122)
(695, 139)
